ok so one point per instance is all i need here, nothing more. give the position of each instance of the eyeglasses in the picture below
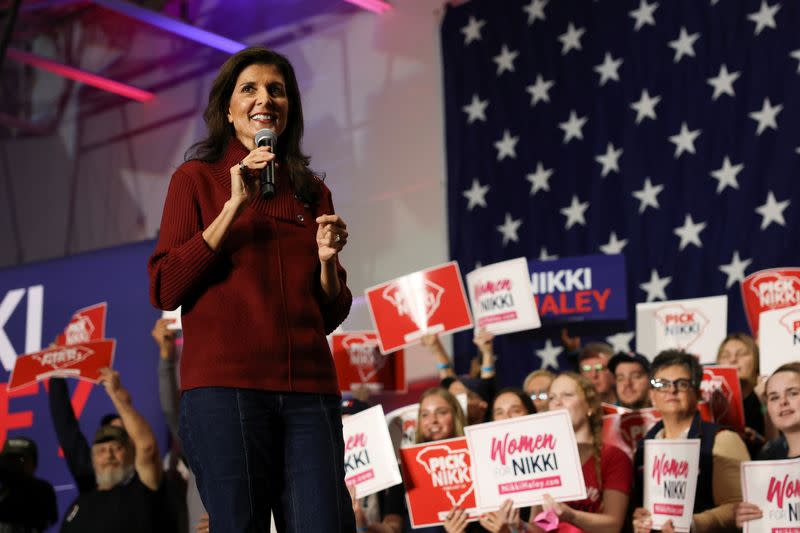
(598, 367)
(541, 395)
(664, 385)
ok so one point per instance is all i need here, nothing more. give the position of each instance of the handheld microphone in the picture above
(267, 137)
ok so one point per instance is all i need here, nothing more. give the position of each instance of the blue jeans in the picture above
(254, 451)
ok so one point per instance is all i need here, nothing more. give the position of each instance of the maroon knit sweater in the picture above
(254, 314)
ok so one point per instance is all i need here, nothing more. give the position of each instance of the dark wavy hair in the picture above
(220, 132)
(527, 403)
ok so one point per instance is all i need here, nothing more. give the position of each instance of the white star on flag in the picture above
(614, 245)
(796, 55)
(535, 10)
(608, 69)
(645, 107)
(621, 342)
(772, 211)
(735, 269)
(571, 39)
(509, 229)
(764, 17)
(540, 179)
(723, 82)
(684, 140)
(472, 31)
(573, 127)
(506, 147)
(505, 60)
(575, 212)
(683, 45)
(767, 116)
(544, 255)
(549, 354)
(609, 160)
(476, 195)
(655, 287)
(727, 175)
(476, 110)
(648, 195)
(643, 14)
(689, 232)
(539, 91)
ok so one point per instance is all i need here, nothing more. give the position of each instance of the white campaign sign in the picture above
(774, 486)
(369, 460)
(501, 297)
(696, 325)
(524, 458)
(402, 423)
(778, 338)
(671, 467)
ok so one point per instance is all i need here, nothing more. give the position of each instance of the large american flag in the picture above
(668, 131)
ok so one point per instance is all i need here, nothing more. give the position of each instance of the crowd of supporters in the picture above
(124, 483)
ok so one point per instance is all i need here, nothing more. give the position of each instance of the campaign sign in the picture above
(723, 392)
(359, 363)
(87, 324)
(765, 290)
(523, 458)
(589, 287)
(671, 467)
(774, 486)
(82, 361)
(779, 338)
(695, 325)
(427, 301)
(369, 462)
(175, 315)
(501, 297)
(624, 429)
(437, 478)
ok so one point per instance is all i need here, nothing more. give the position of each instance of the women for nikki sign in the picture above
(671, 467)
(438, 477)
(501, 297)
(524, 458)
(774, 486)
(369, 461)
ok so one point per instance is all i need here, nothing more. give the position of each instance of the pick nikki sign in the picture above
(695, 325)
(722, 391)
(369, 462)
(774, 486)
(523, 458)
(82, 361)
(438, 477)
(428, 301)
(80, 351)
(671, 467)
(779, 338)
(766, 290)
(624, 428)
(590, 287)
(359, 363)
(501, 297)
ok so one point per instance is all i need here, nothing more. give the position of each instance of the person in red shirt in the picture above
(607, 470)
(260, 285)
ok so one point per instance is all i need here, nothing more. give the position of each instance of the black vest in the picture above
(706, 432)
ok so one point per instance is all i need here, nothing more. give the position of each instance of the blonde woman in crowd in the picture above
(783, 407)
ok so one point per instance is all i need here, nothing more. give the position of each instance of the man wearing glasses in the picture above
(675, 381)
(593, 364)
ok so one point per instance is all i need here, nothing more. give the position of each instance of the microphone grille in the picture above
(266, 137)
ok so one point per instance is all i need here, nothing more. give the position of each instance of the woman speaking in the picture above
(260, 285)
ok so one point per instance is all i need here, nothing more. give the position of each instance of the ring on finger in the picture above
(337, 238)
(242, 166)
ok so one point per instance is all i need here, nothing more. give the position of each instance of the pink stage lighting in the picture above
(79, 75)
(377, 6)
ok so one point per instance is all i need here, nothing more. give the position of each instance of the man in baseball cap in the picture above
(632, 375)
